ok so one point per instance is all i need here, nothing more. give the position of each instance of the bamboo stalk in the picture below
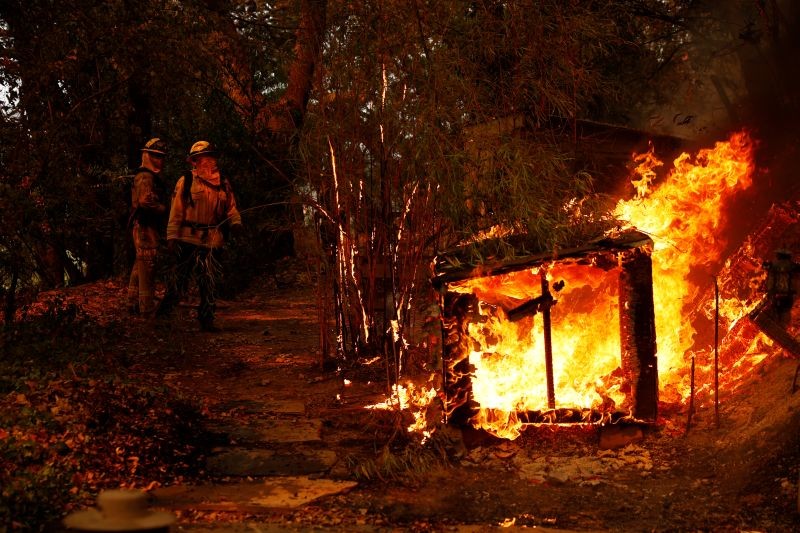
(323, 333)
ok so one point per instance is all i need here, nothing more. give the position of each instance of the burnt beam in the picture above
(456, 368)
(638, 333)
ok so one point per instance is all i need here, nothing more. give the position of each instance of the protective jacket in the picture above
(201, 215)
(148, 208)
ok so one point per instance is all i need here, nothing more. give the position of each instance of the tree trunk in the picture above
(286, 115)
(10, 304)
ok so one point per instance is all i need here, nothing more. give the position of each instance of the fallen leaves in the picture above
(62, 439)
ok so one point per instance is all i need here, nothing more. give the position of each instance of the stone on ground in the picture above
(256, 463)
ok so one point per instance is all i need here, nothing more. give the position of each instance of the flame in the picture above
(685, 215)
(509, 357)
(413, 399)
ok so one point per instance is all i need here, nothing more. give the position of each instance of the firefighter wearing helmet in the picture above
(203, 210)
(148, 214)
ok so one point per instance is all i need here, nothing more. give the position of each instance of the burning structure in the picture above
(515, 352)
(605, 329)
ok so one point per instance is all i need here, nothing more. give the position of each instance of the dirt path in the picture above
(290, 436)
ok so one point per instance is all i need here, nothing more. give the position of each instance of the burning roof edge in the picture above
(452, 265)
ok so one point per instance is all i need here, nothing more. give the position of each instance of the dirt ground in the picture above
(740, 477)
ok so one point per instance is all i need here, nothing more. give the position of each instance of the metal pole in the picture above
(548, 344)
(716, 351)
(691, 399)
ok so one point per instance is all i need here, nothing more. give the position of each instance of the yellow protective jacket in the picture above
(148, 203)
(198, 217)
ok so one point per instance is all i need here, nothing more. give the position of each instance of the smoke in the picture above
(737, 70)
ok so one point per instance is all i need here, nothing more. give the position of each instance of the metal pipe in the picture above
(547, 300)
(691, 399)
(716, 351)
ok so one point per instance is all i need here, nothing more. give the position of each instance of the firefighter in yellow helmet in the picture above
(203, 210)
(148, 215)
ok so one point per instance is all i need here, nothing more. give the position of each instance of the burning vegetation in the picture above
(641, 316)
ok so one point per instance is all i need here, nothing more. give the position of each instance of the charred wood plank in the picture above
(638, 333)
(453, 265)
(459, 407)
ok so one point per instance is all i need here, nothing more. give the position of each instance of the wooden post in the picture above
(638, 333)
(691, 398)
(457, 370)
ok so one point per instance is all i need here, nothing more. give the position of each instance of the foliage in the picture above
(85, 85)
(71, 425)
(37, 490)
(401, 456)
(28, 347)
(436, 121)
(61, 440)
(408, 464)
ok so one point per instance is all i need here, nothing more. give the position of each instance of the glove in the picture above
(172, 246)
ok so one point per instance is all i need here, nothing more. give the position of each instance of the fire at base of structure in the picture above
(544, 340)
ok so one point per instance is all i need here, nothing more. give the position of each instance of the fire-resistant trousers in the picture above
(141, 285)
(196, 262)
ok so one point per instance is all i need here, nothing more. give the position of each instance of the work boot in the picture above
(149, 314)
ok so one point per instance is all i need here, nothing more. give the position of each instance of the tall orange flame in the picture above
(686, 216)
(685, 213)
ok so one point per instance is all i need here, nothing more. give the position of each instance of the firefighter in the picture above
(148, 214)
(781, 280)
(202, 214)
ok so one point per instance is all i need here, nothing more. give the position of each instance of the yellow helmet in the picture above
(155, 146)
(202, 148)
